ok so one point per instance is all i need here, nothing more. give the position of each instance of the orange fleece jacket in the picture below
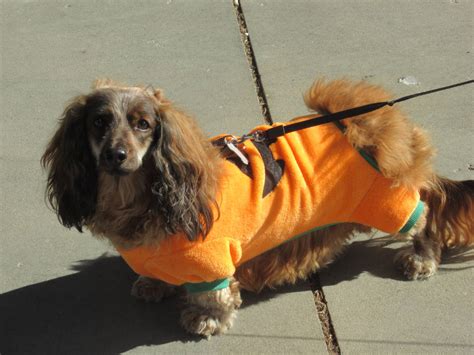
(322, 181)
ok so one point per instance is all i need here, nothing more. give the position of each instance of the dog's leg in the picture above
(212, 312)
(420, 261)
(151, 290)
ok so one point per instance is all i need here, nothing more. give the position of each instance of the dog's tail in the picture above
(402, 150)
(451, 211)
(338, 95)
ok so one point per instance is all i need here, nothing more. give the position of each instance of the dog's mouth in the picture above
(117, 171)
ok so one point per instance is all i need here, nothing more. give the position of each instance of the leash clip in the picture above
(258, 136)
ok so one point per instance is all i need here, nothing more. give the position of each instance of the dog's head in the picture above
(118, 130)
(121, 125)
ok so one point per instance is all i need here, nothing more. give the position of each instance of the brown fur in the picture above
(167, 183)
(211, 313)
(451, 215)
(151, 290)
(296, 259)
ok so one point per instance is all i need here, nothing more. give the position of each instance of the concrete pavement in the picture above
(372, 308)
(65, 293)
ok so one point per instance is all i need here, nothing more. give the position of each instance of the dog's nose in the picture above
(115, 156)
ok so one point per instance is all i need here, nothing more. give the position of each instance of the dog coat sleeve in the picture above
(391, 209)
(201, 265)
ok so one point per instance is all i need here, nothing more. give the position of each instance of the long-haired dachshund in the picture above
(218, 215)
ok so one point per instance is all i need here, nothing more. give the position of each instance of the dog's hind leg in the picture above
(421, 259)
(447, 223)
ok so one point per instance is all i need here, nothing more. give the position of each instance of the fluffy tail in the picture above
(402, 150)
(337, 95)
(451, 211)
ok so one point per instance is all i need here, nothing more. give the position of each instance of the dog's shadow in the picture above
(92, 312)
(376, 256)
(88, 312)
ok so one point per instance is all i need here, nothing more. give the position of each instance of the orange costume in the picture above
(305, 180)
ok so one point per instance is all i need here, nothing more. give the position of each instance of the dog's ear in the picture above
(160, 97)
(72, 172)
(185, 178)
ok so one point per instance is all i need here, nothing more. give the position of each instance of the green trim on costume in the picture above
(368, 158)
(206, 286)
(414, 217)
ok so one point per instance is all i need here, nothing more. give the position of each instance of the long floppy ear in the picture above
(186, 173)
(72, 173)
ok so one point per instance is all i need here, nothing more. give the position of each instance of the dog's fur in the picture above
(131, 167)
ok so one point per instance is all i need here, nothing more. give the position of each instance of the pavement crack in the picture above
(324, 316)
(249, 53)
(318, 293)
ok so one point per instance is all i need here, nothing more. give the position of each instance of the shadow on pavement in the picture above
(92, 312)
(89, 312)
(376, 257)
(250, 299)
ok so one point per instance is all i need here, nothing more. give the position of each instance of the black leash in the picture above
(278, 131)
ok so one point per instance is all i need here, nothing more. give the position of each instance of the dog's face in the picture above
(121, 126)
(119, 130)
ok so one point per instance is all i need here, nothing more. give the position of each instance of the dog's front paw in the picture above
(414, 266)
(151, 290)
(207, 322)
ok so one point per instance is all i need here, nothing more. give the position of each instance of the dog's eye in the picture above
(143, 125)
(99, 122)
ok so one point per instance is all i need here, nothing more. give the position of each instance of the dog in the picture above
(134, 169)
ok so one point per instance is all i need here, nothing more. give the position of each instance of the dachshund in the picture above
(134, 169)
